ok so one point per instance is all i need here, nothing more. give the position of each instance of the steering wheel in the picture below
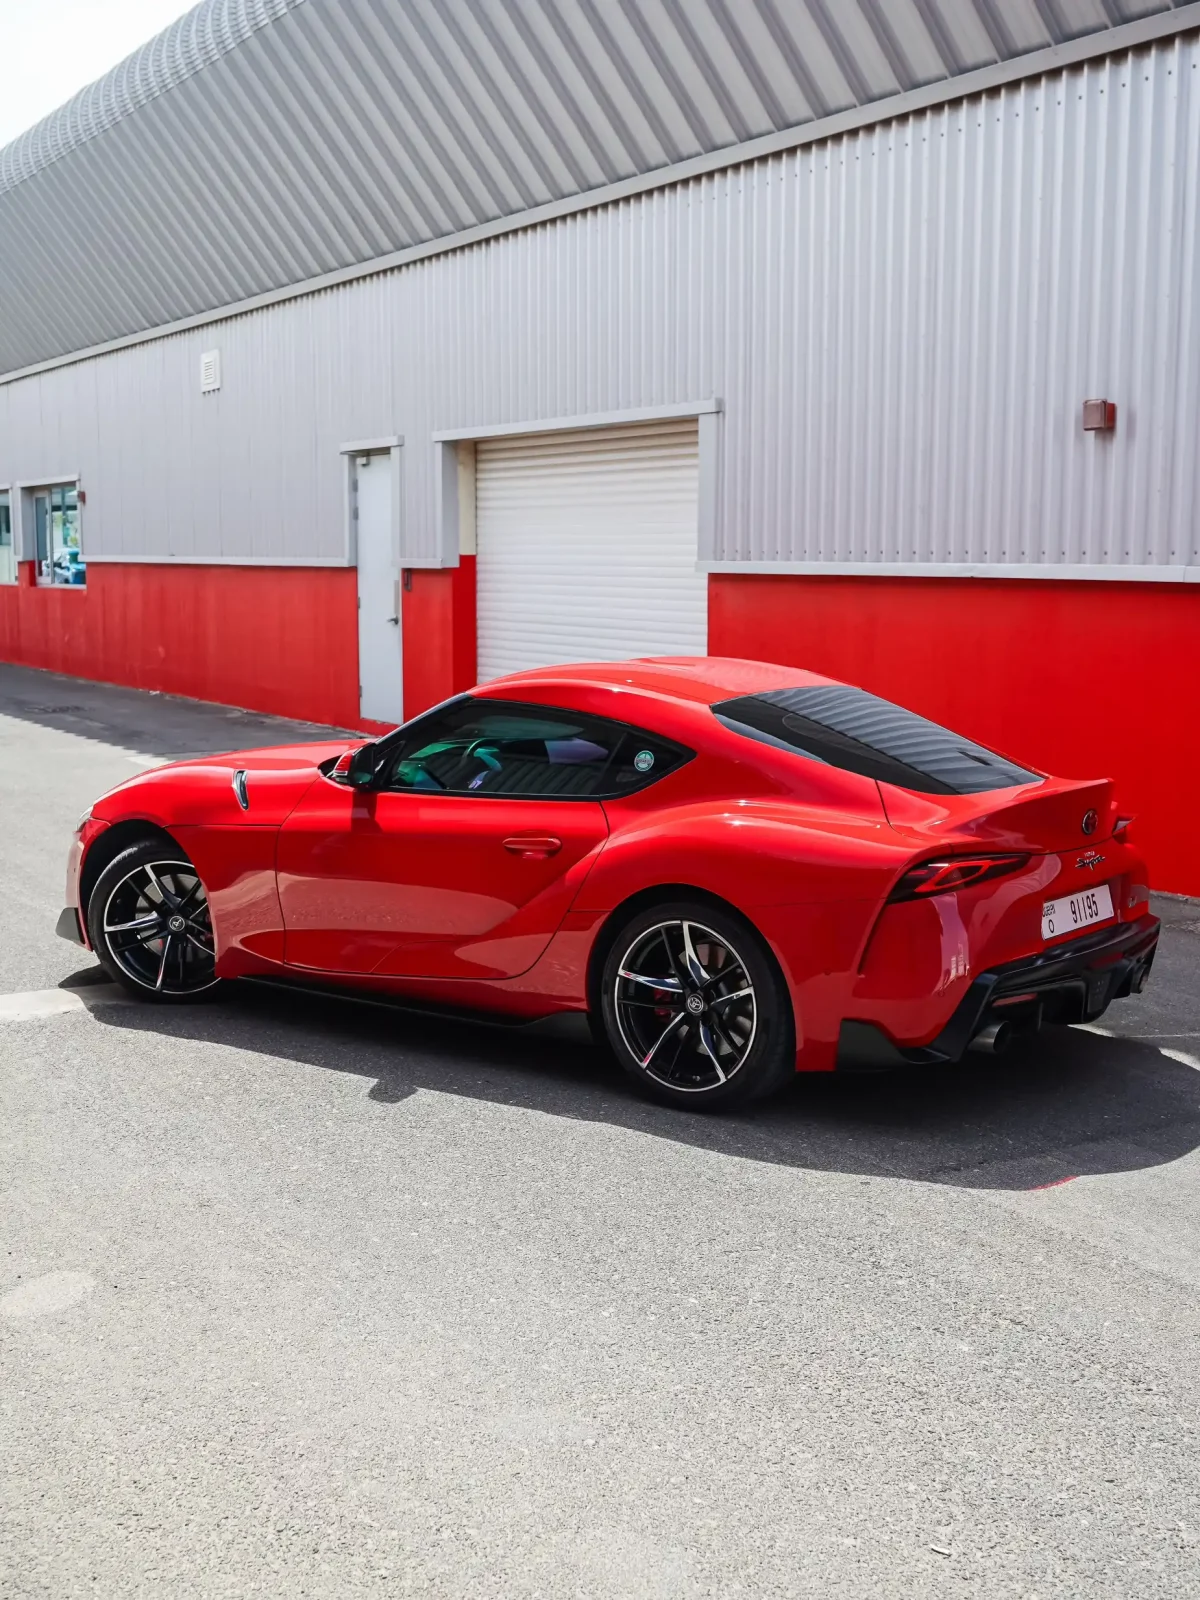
(427, 778)
(482, 749)
(479, 749)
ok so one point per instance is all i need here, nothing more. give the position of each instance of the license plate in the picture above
(1076, 911)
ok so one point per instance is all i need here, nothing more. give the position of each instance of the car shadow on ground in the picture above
(1069, 1103)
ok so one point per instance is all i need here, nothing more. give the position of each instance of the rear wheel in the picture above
(150, 927)
(695, 1007)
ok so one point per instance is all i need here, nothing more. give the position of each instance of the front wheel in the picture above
(695, 1007)
(150, 927)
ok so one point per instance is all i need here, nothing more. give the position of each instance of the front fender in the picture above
(203, 795)
(231, 847)
(86, 834)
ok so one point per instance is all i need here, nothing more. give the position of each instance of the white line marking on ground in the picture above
(53, 1291)
(38, 1003)
(1181, 1056)
(55, 1002)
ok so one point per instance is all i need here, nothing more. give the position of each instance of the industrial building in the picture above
(353, 350)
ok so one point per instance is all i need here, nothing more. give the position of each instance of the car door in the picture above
(464, 857)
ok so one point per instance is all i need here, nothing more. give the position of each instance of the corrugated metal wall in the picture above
(902, 324)
(331, 132)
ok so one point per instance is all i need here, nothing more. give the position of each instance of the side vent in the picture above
(210, 371)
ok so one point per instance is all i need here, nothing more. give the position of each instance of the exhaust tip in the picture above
(992, 1040)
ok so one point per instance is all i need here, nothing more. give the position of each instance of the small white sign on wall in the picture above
(210, 371)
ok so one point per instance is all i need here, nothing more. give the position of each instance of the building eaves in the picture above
(263, 145)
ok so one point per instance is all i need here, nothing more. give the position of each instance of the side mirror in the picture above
(358, 767)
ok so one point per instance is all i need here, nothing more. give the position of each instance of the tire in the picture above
(149, 925)
(695, 1008)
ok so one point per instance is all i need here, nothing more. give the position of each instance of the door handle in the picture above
(534, 847)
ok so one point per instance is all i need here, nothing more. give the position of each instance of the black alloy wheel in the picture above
(695, 1007)
(150, 925)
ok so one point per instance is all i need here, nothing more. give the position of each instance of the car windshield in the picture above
(859, 732)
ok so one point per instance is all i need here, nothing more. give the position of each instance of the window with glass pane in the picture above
(56, 531)
(501, 748)
(857, 731)
(8, 556)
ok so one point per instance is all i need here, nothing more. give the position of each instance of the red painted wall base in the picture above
(1082, 679)
(439, 634)
(275, 639)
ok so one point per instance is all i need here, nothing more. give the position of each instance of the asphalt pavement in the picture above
(305, 1298)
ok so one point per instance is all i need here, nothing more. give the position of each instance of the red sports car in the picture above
(735, 871)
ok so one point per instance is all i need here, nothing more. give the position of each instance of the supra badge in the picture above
(1089, 859)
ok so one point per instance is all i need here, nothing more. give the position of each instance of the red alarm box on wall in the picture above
(1099, 416)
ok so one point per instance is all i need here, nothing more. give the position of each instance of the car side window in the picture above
(499, 748)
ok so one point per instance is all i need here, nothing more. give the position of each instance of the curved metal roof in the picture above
(189, 45)
(261, 143)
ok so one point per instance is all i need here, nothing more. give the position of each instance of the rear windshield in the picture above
(858, 732)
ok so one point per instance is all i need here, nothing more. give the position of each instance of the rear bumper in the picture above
(1072, 982)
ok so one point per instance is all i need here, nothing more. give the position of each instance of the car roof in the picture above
(700, 679)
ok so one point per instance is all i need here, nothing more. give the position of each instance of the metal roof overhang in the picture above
(261, 149)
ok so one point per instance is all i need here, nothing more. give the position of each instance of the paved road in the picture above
(305, 1299)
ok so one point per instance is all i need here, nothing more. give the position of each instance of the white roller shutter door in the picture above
(586, 547)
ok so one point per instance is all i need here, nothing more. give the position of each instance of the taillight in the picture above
(953, 872)
(1123, 830)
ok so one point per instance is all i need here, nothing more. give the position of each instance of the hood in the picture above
(270, 758)
(199, 791)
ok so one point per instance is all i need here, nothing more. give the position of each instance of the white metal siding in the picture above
(586, 547)
(321, 134)
(902, 324)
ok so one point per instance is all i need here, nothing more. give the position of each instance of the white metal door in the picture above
(380, 678)
(586, 547)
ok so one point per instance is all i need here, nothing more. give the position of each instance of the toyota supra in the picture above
(732, 871)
